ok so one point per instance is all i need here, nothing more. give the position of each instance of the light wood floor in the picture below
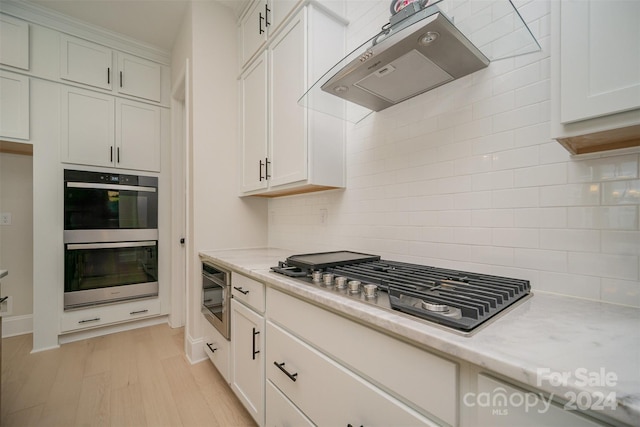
(134, 378)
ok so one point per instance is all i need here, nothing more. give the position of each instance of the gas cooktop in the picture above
(460, 300)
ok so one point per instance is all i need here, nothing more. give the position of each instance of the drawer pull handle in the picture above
(292, 377)
(139, 312)
(95, 319)
(253, 356)
(239, 289)
(213, 350)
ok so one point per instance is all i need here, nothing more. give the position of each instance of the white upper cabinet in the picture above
(101, 130)
(84, 62)
(287, 148)
(253, 133)
(595, 74)
(260, 21)
(600, 58)
(14, 105)
(92, 64)
(139, 77)
(14, 42)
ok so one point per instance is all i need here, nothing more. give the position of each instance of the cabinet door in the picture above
(253, 30)
(87, 127)
(14, 105)
(278, 12)
(600, 58)
(247, 372)
(253, 88)
(85, 62)
(14, 42)
(137, 136)
(139, 77)
(288, 139)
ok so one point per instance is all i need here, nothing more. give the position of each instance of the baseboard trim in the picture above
(17, 325)
(195, 350)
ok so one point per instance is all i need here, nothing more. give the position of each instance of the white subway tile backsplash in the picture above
(493, 180)
(596, 264)
(540, 259)
(570, 195)
(517, 118)
(621, 242)
(541, 218)
(625, 292)
(516, 158)
(569, 284)
(604, 217)
(516, 198)
(604, 169)
(534, 93)
(466, 176)
(495, 142)
(621, 192)
(555, 173)
(570, 240)
(516, 237)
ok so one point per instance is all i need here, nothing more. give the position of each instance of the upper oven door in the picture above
(103, 201)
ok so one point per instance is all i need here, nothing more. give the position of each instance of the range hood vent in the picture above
(417, 51)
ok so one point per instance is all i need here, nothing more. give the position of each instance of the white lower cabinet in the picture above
(509, 406)
(327, 392)
(247, 352)
(218, 349)
(281, 412)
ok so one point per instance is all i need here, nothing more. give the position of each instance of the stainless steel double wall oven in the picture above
(110, 238)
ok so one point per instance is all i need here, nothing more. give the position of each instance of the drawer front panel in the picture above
(325, 391)
(281, 411)
(94, 317)
(248, 291)
(439, 398)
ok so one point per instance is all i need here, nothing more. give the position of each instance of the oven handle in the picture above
(77, 246)
(111, 187)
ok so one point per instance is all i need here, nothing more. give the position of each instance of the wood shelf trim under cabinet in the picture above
(16, 148)
(614, 139)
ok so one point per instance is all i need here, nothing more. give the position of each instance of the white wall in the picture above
(218, 218)
(16, 240)
(466, 176)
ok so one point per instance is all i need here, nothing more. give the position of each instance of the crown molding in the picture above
(57, 21)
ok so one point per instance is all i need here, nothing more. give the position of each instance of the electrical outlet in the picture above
(5, 218)
(6, 307)
(324, 216)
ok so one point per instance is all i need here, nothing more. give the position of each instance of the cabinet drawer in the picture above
(281, 411)
(218, 349)
(303, 375)
(248, 291)
(101, 316)
(438, 398)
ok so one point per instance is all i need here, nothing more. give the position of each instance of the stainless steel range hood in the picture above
(401, 61)
(421, 55)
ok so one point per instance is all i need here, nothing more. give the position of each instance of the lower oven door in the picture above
(102, 273)
(215, 298)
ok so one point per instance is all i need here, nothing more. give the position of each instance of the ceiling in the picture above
(155, 22)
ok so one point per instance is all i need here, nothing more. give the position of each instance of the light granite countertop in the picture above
(564, 346)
